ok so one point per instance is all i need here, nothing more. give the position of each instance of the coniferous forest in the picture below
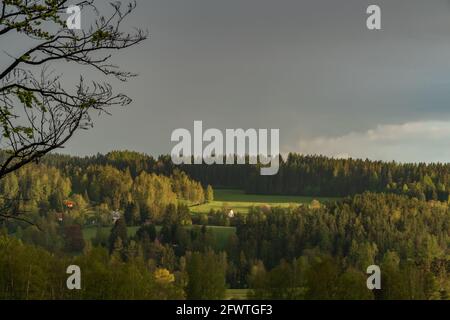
(128, 220)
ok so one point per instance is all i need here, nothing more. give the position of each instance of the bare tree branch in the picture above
(38, 112)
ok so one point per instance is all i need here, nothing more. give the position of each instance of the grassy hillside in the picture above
(238, 201)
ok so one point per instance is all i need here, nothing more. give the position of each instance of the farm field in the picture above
(238, 201)
(232, 199)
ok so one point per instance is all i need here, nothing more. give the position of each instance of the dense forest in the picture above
(321, 176)
(298, 174)
(392, 215)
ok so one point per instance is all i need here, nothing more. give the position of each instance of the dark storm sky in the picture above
(308, 67)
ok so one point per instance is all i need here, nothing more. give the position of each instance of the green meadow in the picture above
(239, 201)
(230, 199)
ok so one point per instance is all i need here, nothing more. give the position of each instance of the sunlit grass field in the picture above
(231, 199)
(238, 201)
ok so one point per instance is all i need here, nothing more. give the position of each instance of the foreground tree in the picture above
(206, 274)
(39, 112)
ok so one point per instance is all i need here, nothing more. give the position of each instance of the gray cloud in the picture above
(422, 141)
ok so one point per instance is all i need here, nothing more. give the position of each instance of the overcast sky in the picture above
(308, 67)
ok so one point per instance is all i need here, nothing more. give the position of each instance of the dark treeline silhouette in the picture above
(322, 176)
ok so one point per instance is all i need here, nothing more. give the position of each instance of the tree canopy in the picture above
(39, 109)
